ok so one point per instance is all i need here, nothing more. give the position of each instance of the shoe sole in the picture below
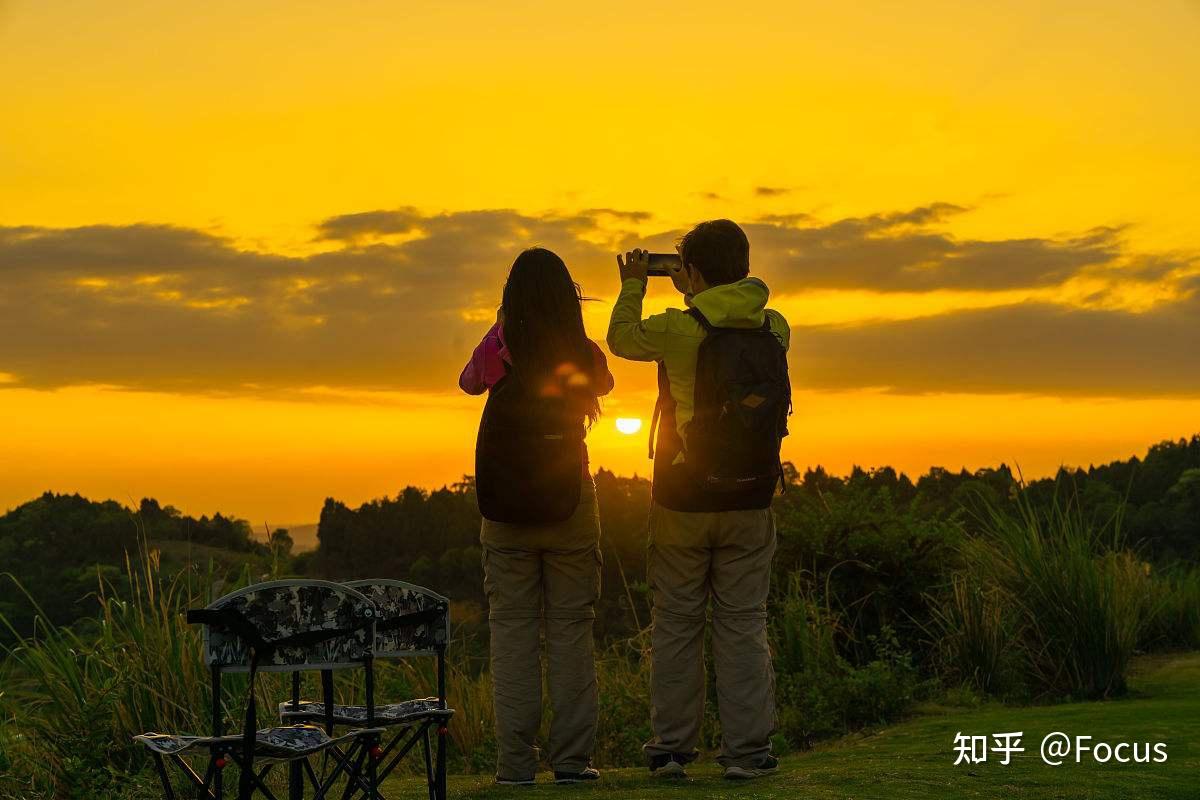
(748, 773)
(569, 781)
(670, 770)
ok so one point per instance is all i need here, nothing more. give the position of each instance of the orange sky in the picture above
(246, 247)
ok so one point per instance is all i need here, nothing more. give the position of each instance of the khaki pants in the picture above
(725, 555)
(534, 574)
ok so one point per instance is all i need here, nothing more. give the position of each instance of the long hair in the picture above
(543, 330)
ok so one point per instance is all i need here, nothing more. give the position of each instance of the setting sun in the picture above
(629, 425)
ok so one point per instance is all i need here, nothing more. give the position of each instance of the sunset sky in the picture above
(246, 247)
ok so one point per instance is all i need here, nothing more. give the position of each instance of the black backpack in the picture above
(742, 400)
(529, 456)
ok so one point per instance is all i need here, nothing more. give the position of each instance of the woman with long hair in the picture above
(541, 528)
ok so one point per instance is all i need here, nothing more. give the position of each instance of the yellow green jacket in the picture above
(673, 337)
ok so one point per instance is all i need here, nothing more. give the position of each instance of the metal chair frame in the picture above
(418, 731)
(359, 762)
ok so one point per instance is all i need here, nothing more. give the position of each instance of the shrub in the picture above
(1080, 601)
(973, 628)
(819, 693)
(1177, 600)
(869, 557)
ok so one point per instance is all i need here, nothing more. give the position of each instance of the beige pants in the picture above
(535, 574)
(693, 556)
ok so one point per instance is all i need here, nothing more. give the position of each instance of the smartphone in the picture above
(662, 264)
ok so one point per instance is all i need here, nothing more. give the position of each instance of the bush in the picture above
(973, 629)
(820, 694)
(868, 556)
(1079, 601)
(1177, 600)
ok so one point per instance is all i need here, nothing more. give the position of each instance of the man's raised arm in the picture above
(629, 336)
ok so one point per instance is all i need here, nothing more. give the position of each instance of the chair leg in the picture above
(296, 780)
(257, 780)
(373, 772)
(344, 762)
(427, 749)
(218, 784)
(168, 790)
(356, 771)
(201, 784)
(441, 760)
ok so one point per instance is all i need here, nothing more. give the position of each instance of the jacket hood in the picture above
(734, 305)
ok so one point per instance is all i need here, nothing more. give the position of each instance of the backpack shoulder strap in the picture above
(697, 315)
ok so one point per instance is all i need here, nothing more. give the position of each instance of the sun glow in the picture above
(629, 425)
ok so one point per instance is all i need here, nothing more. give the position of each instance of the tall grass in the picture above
(79, 695)
(1079, 602)
(803, 630)
(973, 633)
(1177, 597)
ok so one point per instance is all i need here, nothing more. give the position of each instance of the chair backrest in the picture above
(294, 608)
(412, 620)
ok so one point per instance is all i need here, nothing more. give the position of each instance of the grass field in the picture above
(916, 759)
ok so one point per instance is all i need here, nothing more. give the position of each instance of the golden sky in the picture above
(246, 247)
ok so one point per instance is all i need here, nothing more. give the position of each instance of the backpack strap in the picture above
(654, 422)
(695, 314)
(698, 315)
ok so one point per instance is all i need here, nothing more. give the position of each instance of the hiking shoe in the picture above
(764, 766)
(668, 765)
(515, 781)
(589, 774)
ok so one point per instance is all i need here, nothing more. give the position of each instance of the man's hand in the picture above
(679, 277)
(634, 265)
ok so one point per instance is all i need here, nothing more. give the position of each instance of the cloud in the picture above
(161, 307)
(770, 191)
(397, 298)
(1028, 348)
(349, 227)
(904, 251)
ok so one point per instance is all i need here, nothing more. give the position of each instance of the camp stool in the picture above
(279, 626)
(413, 621)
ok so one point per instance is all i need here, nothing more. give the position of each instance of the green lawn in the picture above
(916, 759)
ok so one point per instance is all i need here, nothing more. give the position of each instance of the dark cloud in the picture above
(401, 297)
(903, 252)
(348, 227)
(628, 216)
(160, 307)
(1028, 348)
(770, 191)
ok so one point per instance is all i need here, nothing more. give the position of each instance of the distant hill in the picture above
(304, 537)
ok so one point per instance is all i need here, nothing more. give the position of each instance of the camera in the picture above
(662, 264)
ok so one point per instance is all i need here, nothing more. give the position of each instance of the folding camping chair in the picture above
(279, 626)
(412, 621)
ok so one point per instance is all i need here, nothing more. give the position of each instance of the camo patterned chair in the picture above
(279, 626)
(412, 621)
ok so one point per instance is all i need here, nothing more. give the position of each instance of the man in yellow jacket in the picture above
(700, 548)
